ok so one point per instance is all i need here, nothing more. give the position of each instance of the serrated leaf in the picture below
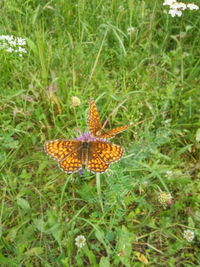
(23, 203)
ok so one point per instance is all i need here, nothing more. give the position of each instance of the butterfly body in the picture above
(85, 152)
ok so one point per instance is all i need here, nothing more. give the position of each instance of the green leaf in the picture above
(198, 135)
(90, 256)
(6, 261)
(99, 235)
(56, 231)
(23, 203)
(125, 246)
(191, 222)
(104, 262)
(39, 224)
(36, 251)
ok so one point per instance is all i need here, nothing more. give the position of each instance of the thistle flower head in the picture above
(86, 137)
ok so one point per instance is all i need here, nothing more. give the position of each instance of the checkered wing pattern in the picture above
(111, 133)
(66, 152)
(95, 126)
(102, 154)
(74, 154)
(93, 121)
(71, 163)
(95, 164)
(60, 149)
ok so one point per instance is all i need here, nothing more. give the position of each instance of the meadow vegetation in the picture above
(129, 55)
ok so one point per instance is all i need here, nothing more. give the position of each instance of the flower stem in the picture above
(98, 184)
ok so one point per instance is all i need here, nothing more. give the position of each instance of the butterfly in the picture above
(73, 155)
(96, 128)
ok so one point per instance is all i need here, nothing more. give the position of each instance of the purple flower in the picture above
(87, 137)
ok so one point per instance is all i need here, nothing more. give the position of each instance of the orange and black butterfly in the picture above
(96, 128)
(73, 155)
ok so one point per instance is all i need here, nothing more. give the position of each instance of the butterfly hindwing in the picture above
(107, 152)
(71, 163)
(95, 164)
(112, 132)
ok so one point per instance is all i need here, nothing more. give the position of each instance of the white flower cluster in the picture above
(80, 241)
(12, 44)
(188, 235)
(176, 8)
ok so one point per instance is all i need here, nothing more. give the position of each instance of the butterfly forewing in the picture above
(60, 149)
(93, 121)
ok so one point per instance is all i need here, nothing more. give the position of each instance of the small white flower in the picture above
(21, 41)
(121, 9)
(13, 44)
(80, 241)
(192, 6)
(75, 101)
(178, 6)
(10, 49)
(131, 30)
(21, 50)
(188, 235)
(169, 174)
(174, 12)
(169, 2)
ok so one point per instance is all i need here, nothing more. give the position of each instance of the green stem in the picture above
(98, 184)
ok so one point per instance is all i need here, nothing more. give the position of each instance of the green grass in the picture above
(82, 48)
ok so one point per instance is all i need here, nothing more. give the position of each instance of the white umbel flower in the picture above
(192, 6)
(174, 12)
(169, 2)
(178, 6)
(13, 44)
